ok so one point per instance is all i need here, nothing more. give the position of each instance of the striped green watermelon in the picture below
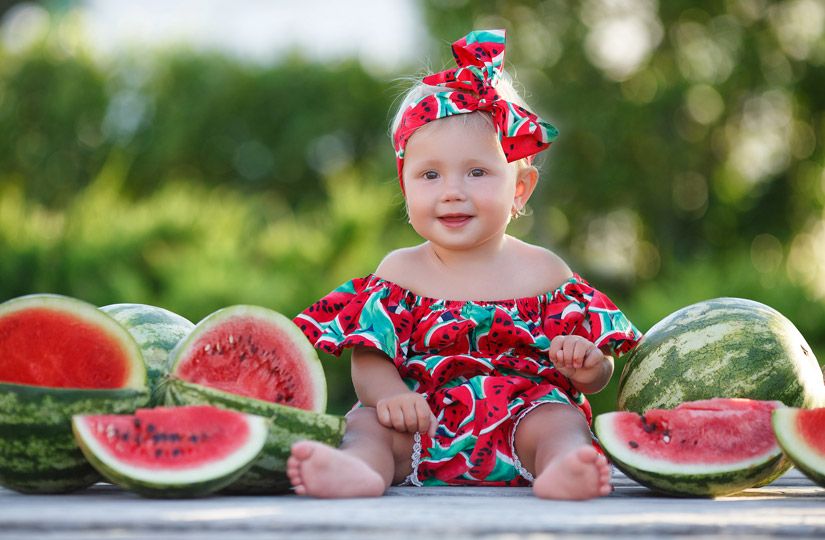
(801, 434)
(172, 451)
(726, 347)
(702, 448)
(255, 360)
(156, 331)
(59, 357)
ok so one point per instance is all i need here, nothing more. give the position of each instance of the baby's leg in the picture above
(370, 458)
(553, 442)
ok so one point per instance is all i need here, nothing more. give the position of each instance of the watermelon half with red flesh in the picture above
(172, 451)
(59, 356)
(701, 448)
(254, 352)
(255, 360)
(801, 434)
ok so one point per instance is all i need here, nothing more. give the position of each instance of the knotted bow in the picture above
(479, 56)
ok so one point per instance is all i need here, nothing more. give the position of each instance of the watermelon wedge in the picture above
(801, 434)
(255, 360)
(254, 352)
(172, 451)
(59, 356)
(702, 448)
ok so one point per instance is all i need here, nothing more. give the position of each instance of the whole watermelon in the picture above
(157, 331)
(725, 347)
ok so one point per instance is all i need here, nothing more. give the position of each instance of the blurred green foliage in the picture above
(689, 166)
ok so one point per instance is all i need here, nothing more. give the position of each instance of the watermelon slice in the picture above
(255, 360)
(701, 448)
(172, 451)
(801, 434)
(254, 352)
(59, 356)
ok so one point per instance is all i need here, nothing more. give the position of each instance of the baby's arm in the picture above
(378, 384)
(578, 359)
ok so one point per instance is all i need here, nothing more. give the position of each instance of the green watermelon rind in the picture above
(804, 458)
(38, 453)
(157, 331)
(658, 376)
(195, 482)
(683, 480)
(288, 425)
(309, 357)
(37, 450)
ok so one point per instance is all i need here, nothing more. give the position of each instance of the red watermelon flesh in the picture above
(715, 431)
(810, 423)
(169, 438)
(253, 352)
(52, 346)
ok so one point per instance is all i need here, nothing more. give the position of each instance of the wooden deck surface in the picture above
(791, 507)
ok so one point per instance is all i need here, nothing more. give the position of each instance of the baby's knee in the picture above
(361, 415)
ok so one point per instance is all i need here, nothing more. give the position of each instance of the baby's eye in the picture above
(477, 172)
(430, 175)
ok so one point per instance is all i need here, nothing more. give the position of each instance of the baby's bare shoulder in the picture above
(397, 264)
(546, 268)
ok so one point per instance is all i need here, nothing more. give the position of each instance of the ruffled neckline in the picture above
(422, 299)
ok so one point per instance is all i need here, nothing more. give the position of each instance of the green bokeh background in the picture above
(690, 163)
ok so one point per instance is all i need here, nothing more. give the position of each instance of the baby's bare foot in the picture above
(580, 474)
(318, 470)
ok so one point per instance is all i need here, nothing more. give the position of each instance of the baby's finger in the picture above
(593, 357)
(410, 417)
(383, 413)
(580, 350)
(423, 415)
(433, 425)
(398, 424)
(568, 351)
(556, 345)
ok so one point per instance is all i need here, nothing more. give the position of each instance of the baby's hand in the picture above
(577, 358)
(406, 413)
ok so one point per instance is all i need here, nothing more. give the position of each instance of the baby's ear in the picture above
(526, 181)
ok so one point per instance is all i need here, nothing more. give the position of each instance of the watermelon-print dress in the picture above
(482, 365)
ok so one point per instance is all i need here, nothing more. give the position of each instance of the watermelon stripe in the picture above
(37, 449)
(727, 347)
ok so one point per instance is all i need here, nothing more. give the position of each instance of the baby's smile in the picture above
(455, 220)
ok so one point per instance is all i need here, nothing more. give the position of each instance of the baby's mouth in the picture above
(455, 220)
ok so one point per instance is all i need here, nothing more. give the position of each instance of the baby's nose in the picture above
(453, 188)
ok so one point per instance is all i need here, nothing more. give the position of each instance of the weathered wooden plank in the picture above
(790, 507)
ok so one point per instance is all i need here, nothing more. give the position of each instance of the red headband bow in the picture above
(479, 56)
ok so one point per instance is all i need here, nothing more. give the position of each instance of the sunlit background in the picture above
(198, 154)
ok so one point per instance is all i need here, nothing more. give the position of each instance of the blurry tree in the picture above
(689, 165)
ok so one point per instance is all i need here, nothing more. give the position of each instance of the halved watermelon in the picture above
(255, 352)
(172, 451)
(255, 360)
(701, 448)
(59, 356)
(801, 434)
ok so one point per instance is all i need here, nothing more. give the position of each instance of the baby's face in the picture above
(459, 187)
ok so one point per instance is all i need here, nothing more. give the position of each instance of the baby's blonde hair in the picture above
(418, 90)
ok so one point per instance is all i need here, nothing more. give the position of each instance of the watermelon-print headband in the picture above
(479, 56)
